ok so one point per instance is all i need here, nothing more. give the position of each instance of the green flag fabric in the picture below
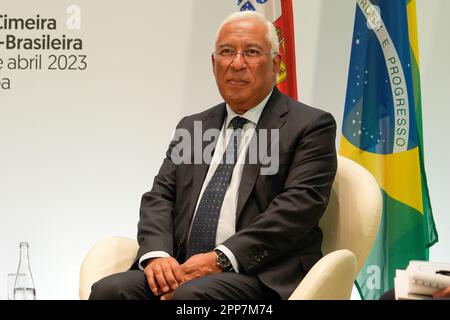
(382, 131)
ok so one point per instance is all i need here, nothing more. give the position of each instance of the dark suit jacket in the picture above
(277, 234)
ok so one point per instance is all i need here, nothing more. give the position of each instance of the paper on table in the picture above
(420, 280)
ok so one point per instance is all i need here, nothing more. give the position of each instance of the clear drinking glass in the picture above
(10, 285)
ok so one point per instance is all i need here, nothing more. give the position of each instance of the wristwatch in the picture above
(223, 262)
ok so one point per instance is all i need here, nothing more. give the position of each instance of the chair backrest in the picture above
(107, 256)
(353, 215)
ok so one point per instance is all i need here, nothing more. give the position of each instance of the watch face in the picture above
(223, 261)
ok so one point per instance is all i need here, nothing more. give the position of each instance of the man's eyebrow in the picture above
(254, 45)
(224, 45)
(249, 45)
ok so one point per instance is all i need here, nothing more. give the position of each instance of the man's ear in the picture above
(276, 64)
(213, 62)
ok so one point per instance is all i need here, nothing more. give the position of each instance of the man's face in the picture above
(242, 84)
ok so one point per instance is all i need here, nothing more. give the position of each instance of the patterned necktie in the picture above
(204, 228)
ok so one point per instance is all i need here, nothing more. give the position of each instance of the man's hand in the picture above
(200, 265)
(444, 293)
(167, 296)
(195, 267)
(164, 275)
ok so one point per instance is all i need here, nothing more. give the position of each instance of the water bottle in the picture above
(24, 285)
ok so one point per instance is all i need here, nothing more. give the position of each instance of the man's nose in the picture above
(238, 61)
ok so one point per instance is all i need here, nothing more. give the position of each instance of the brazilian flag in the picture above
(382, 131)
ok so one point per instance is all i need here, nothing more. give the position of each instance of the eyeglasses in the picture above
(250, 56)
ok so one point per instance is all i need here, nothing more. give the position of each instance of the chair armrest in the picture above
(331, 278)
(106, 257)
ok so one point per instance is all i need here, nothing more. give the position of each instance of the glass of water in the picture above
(10, 285)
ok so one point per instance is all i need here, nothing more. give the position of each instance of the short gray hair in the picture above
(271, 33)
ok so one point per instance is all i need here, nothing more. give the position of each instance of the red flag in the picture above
(281, 14)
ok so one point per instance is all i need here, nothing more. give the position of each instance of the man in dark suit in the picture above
(221, 230)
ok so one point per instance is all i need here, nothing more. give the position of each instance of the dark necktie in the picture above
(204, 228)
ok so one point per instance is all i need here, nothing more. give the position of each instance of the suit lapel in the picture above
(271, 118)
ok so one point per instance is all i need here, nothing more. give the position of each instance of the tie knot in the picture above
(238, 122)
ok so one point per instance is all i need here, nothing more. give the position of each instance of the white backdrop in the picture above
(77, 150)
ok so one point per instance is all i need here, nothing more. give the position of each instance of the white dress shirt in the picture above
(227, 218)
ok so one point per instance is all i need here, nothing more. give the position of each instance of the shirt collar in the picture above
(251, 115)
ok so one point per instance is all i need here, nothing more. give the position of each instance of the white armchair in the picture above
(106, 257)
(349, 225)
